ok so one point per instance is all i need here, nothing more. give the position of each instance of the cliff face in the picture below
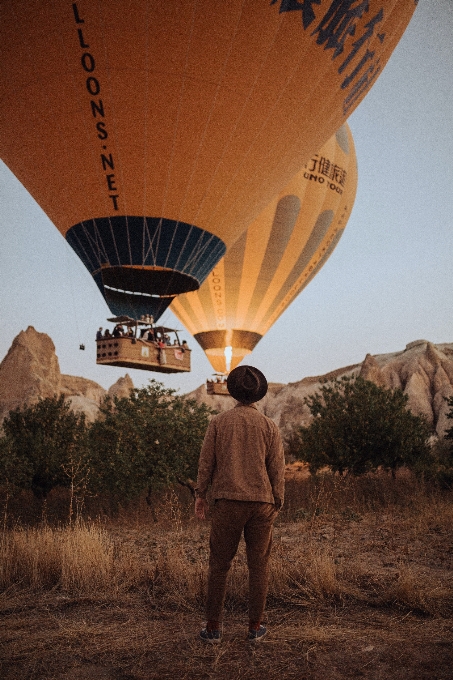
(423, 371)
(30, 371)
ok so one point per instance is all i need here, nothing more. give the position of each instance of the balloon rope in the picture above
(93, 243)
(71, 287)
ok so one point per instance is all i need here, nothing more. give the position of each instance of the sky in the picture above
(388, 282)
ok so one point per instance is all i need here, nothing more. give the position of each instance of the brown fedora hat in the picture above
(247, 384)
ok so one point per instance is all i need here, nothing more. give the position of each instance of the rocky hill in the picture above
(31, 371)
(422, 370)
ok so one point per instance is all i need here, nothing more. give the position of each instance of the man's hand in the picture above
(201, 508)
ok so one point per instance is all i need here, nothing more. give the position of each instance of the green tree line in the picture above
(144, 442)
(152, 439)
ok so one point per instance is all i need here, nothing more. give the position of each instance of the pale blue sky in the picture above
(389, 281)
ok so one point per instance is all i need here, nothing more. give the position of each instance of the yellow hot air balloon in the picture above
(152, 133)
(275, 258)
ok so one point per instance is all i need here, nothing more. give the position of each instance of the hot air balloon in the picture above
(279, 254)
(152, 133)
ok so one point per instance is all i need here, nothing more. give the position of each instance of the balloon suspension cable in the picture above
(71, 287)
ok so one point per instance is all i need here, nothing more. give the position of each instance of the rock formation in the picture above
(423, 371)
(122, 387)
(30, 371)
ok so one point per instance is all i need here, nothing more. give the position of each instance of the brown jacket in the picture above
(242, 457)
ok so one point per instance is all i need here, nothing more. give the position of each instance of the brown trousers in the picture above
(229, 519)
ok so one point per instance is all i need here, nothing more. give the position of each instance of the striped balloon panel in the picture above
(272, 262)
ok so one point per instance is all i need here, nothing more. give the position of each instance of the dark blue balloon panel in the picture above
(137, 260)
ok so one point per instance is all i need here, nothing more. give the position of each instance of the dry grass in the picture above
(76, 559)
(361, 586)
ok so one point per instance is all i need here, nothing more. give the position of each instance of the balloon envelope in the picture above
(282, 250)
(152, 133)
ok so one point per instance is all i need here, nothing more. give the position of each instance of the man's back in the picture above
(242, 457)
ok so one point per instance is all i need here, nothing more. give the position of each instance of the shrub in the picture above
(358, 427)
(38, 442)
(147, 441)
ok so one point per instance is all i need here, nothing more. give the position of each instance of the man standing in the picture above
(242, 459)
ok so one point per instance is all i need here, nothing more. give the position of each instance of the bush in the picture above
(358, 427)
(40, 442)
(449, 433)
(147, 441)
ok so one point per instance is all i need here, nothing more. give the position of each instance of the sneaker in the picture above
(257, 635)
(211, 636)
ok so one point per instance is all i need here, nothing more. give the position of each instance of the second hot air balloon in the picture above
(275, 258)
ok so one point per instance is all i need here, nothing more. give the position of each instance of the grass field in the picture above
(361, 587)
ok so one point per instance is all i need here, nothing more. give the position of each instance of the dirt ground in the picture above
(81, 640)
(385, 613)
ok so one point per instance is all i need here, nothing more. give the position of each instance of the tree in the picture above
(148, 440)
(358, 427)
(38, 442)
(449, 432)
(444, 451)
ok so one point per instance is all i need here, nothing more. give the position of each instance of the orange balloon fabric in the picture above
(273, 261)
(153, 133)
